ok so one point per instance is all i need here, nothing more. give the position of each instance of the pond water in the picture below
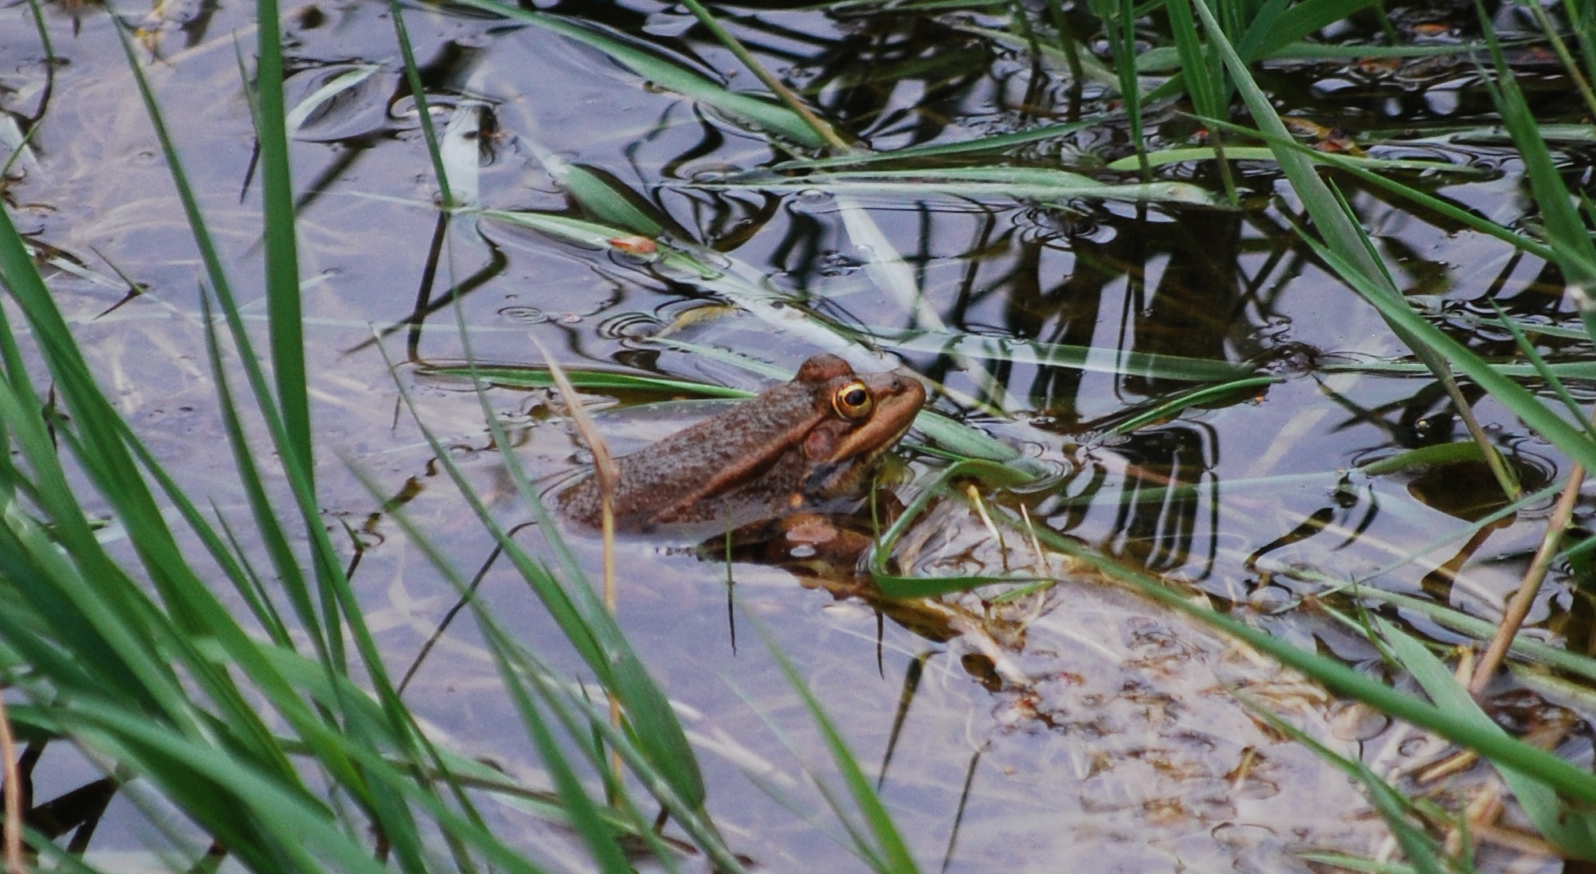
(1076, 725)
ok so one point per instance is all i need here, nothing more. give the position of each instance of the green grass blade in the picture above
(1570, 829)
(1034, 183)
(418, 92)
(995, 142)
(1574, 782)
(1424, 854)
(1355, 257)
(822, 130)
(665, 73)
(1545, 371)
(588, 626)
(284, 315)
(889, 849)
(1211, 394)
(325, 565)
(1268, 36)
(1521, 402)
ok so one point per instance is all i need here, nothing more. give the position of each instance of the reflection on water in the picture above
(1073, 722)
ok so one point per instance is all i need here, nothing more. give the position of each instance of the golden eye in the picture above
(853, 401)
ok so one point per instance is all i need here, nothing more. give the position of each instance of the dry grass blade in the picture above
(782, 92)
(13, 796)
(603, 465)
(608, 475)
(1519, 607)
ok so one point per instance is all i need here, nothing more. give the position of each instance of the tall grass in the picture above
(278, 730)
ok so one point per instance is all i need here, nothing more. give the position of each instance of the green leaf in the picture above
(1572, 830)
(1032, 183)
(767, 116)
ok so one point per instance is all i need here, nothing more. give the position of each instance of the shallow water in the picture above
(1105, 729)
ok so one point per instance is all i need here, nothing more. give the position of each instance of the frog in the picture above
(800, 445)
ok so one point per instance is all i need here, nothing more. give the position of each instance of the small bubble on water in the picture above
(630, 326)
(529, 315)
(812, 197)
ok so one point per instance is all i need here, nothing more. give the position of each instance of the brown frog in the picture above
(796, 445)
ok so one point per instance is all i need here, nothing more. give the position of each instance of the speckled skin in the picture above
(785, 449)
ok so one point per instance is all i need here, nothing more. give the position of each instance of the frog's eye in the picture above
(853, 401)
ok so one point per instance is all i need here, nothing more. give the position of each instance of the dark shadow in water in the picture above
(77, 810)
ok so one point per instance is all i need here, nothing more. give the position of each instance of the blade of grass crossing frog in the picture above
(667, 74)
(961, 439)
(521, 669)
(575, 608)
(776, 310)
(1568, 828)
